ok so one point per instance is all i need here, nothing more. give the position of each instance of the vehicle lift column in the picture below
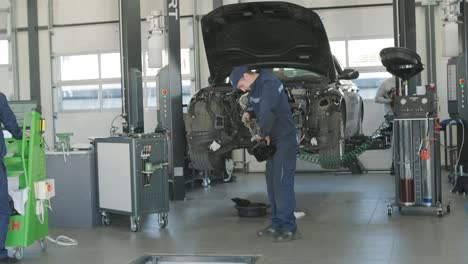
(133, 164)
(457, 72)
(171, 114)
(130, 55)
(404, 17)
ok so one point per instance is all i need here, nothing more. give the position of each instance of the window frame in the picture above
(58, 83)
(361, 69)
(8, 50)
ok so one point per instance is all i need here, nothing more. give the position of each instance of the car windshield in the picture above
(288, 73)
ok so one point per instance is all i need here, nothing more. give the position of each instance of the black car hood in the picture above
(265, 34)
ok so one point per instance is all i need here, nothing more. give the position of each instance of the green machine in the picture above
(25, 161)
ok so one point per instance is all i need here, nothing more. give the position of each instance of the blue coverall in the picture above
(8, 119)
(269, 104)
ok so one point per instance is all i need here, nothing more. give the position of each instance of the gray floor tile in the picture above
(346, 222)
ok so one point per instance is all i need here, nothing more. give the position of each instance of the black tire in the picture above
(105, 219)
(334, 135)
(163, 220)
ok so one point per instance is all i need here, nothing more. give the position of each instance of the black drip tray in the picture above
(174, 259)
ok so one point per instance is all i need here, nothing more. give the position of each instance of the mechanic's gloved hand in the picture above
(245, 117)
(262, 151)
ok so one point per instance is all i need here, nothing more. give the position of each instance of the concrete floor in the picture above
(346, 222)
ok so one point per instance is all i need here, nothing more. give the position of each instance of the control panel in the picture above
(456, 90)
(44, 190)
(165, 103)
(164, 97)
(418, 106)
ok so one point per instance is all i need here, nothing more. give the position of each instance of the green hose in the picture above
(337, 161)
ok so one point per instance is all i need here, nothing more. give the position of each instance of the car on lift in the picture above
(291, 42)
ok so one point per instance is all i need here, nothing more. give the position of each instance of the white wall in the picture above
(372, 21)
(85, 39)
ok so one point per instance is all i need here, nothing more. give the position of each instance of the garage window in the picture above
(111, 96)
(92, 82)
(4, 54)
(79, 97)
(338, 49)
(186, 66)
(363, 55)
(369, 82)
(80, 67)
(110, 65)
(88, 82)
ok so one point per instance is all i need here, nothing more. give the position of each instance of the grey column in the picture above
(405, 31)
(130, 53)
(33, 46)
(175, 92)
(431, 70)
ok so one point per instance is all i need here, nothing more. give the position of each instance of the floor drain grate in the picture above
(174, 259)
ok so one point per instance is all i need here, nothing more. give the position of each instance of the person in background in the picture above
(386, 95)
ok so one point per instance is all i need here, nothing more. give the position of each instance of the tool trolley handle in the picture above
(23, 148)
(23, 145)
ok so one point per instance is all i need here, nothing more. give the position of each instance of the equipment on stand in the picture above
(417, 140)
(132, 166)
(132, 177)
(456, 45)
(27, 183)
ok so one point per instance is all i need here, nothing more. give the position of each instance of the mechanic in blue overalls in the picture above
(8, 119)
(268, 104)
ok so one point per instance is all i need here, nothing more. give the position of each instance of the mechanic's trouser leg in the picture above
(275, 221)
(283, 170)
(4, 210)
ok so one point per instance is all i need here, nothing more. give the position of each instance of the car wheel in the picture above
(335, 134)
(202, 160)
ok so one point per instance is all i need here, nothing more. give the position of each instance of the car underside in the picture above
(293, 45)
(214, 126)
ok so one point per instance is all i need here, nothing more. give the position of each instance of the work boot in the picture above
(267, 231)
(8, 260)
(285, 236)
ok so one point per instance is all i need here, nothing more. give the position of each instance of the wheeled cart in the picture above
(25, 166)
(416, 135)
(132, 177)
(417, 165)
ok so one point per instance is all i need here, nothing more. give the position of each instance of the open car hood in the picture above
(265, 35)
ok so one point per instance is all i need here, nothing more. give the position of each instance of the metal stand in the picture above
(133, 178)
(417, 166)
(451, 152)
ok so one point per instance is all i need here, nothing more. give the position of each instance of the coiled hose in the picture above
(337, 161)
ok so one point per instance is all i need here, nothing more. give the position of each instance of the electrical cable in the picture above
(63, 241)
(462, 143)
(45, 144)
(113, 128)
(336, 161)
